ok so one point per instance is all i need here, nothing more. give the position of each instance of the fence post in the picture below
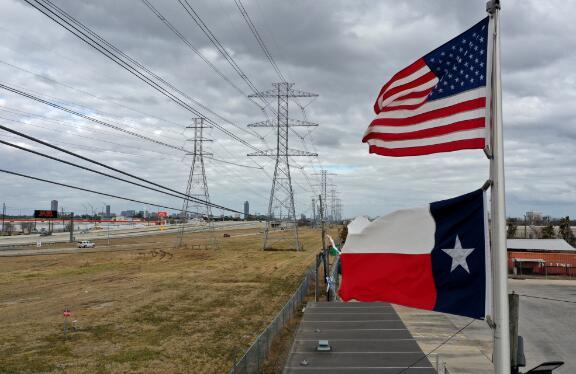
(263, 342)
(316, 285)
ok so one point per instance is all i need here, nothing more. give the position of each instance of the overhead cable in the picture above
(91, 191)
(190, 198)
(259, 39)
(110, 167)
(120, 58)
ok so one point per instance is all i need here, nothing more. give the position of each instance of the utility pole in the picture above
(314, 223)
(281, 210)
(197, 187)
(3, 216)
(71, 227)
(325, 251)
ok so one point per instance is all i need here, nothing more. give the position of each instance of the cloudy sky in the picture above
(342, 50)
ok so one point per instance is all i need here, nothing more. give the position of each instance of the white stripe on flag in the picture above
(394, 233)
(428, 84)
(436, 104)
(463, 116)
(414, 101)
(446, 138)
(417, 74)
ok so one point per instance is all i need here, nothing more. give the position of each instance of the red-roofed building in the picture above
(541, 257)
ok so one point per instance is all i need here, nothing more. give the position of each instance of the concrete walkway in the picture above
(469, 352)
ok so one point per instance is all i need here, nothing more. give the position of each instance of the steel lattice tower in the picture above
(324, 193)
(281, 210)
(197, 187)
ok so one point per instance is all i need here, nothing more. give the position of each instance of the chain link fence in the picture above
(254, 358)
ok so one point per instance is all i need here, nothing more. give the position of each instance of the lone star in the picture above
(458, 255)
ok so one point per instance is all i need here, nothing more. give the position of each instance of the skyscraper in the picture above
(246, 209)
(108, 215)
(54, 205)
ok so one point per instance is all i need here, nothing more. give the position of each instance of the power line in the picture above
(52, 80)
(548, 298)
(92, 119)
(126, 62)
(107, 141)
(88, 190)
(256, 34)
(106, 166)
(99, 172)
(216, 43)
(196, 51)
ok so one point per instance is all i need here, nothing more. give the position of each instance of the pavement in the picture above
(365, 338)
(548, 328)
(465, 353)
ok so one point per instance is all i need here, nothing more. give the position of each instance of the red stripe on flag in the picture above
(391, 277)
(427, 133)
(411, 95)
(419, 64)
(477, 143)
(433, 114)
(409, 85)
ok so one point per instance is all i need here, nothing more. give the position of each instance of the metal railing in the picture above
(252, 361)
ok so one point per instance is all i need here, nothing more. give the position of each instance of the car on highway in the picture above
(86, 244)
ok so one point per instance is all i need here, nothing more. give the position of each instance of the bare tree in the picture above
(27, 227)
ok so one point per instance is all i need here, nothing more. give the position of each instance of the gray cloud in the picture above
(342, 50)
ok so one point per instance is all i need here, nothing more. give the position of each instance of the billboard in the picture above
(162, 214)
(45, 214)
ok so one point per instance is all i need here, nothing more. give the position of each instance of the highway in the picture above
(9, 242)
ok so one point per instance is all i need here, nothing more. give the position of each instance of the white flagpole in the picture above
(499, 247)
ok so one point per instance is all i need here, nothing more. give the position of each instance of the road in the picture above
(22, 240)
(548, 327)
(31, 251)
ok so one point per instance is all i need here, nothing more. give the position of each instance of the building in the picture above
(128, 213)
(54, 205)
(246, 209)
(541, 257)
(108, 215)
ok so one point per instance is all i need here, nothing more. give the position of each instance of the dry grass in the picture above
(187, 311)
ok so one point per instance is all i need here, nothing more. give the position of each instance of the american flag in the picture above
(438, 103)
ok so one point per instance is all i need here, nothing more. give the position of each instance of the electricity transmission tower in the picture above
(281, 210)
(333, 208)
(338, 210)
(197, 187)
(324, 184)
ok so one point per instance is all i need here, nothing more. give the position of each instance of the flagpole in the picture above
(498, 223)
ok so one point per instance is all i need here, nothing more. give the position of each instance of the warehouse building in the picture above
(541, 257)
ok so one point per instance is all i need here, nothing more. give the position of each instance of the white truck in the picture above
(86, 244)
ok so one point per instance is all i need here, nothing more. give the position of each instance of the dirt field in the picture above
(147, 309)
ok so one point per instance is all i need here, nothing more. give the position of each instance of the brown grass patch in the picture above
(150, 308)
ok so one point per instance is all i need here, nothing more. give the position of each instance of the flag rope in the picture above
(437, 347)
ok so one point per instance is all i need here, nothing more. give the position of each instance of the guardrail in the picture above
(252, 361)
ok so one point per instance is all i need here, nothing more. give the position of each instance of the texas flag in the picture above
(435, 258)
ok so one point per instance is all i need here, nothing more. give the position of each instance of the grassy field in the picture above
(155, 309)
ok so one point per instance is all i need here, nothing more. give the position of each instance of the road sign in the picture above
(45, 214)
(67, 313)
